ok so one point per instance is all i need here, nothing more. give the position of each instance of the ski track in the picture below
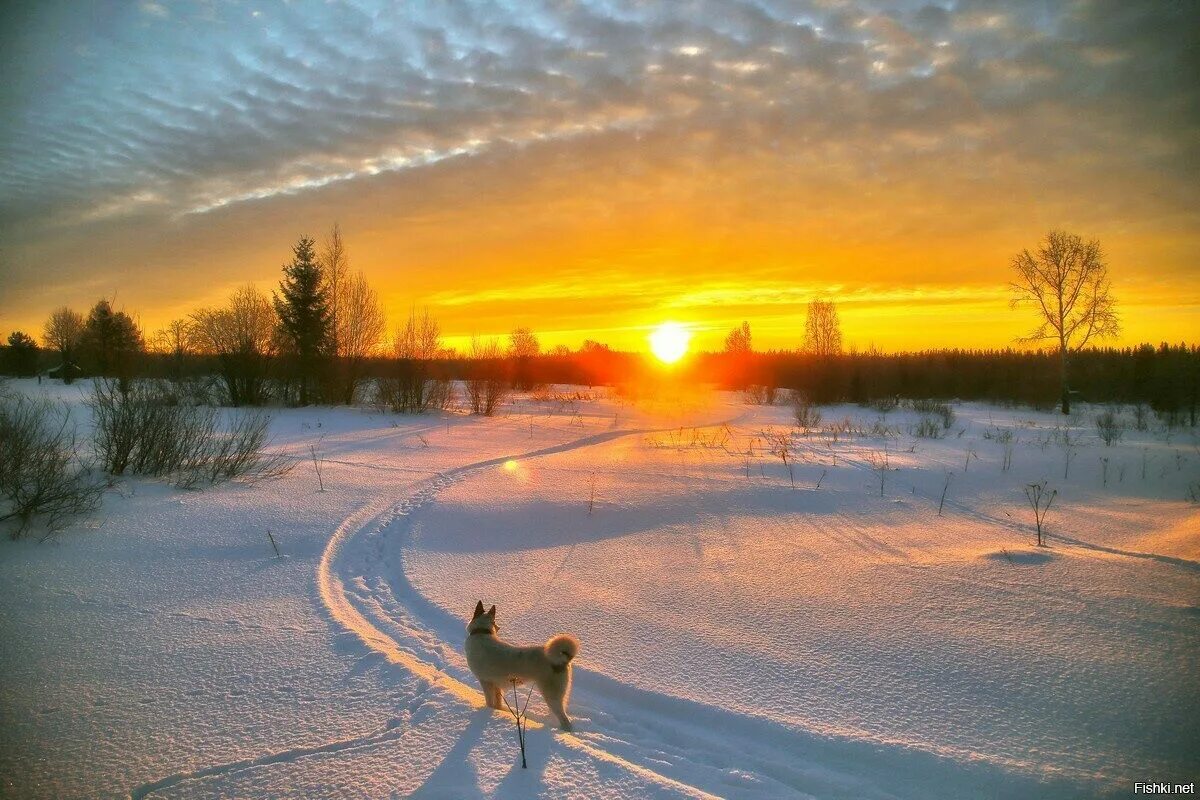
(339, 601)
(372, 521)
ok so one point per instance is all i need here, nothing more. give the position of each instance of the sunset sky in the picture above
(591, 168)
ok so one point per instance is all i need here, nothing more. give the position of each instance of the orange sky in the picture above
(700, 169)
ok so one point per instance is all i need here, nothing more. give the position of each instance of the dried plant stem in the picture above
(317, 466)
(522, 719)
(945, 489)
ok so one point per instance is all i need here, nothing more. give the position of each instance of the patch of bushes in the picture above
(759, 395)
(1110, 427)
(927, 428)
(807, 415)
(934, 408)
(40, 476)
(145, 430)
(883, 405)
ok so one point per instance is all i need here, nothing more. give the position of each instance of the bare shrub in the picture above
(439, 393)
(144, 431)
(760, 395)
(487, 385)
(884, 404)
(942, 411)
(1110, 427)
(238, 452)
(1040, 498)
(927, 428)
(880, 463)
(807, 415)
(880, 430)
(40, 476)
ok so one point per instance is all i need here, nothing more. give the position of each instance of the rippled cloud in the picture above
(854, 123)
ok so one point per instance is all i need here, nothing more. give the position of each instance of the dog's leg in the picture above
(489, 693)
(553, 693)
(497, 696)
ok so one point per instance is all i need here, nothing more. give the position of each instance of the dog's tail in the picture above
(561, 649)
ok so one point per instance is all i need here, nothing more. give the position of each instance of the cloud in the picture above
(860, 126)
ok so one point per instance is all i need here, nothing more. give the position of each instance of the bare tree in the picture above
(173, 339)
(487, 385)
(357, 321)
(242, 337)
(822, 329)
(359, 330)
(62, 333)
(737, 366)
(738, 340)
(523, 343)
(1067, 281)
(523, 347)
(411, 389)
(335, 266)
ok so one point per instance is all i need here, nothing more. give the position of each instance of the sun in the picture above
(669, 342)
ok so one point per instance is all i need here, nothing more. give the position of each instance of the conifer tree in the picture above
(20, 357)
(110, 342)
(304, 317)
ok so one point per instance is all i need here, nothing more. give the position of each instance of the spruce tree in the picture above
(304, 316)
(110, 342)
(21, 355)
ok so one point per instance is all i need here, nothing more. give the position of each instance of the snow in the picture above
(741, 636)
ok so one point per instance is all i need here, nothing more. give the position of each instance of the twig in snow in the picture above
(519, 715)
(1040, 500)
(945, 488)
(317, 466)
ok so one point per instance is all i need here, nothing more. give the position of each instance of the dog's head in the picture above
(483, 621)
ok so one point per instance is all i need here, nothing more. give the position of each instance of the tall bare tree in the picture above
(62, 333)
(359, 330)
(174, 340)
(357, 322)
(335, 266)
(523, 347)
(737, 361)
(822, 329)
(738, 342)
(1066, 280)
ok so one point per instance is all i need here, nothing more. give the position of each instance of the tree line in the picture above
(322, 337)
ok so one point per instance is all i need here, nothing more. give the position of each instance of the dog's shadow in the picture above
(456, 776)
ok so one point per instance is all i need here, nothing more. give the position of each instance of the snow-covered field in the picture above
(746, 632)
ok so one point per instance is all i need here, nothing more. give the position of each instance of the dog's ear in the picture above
(492, 611)
(478, 610)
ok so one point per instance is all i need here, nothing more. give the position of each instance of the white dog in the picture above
(496, 664)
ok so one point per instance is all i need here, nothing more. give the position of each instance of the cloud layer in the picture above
(671, 142)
